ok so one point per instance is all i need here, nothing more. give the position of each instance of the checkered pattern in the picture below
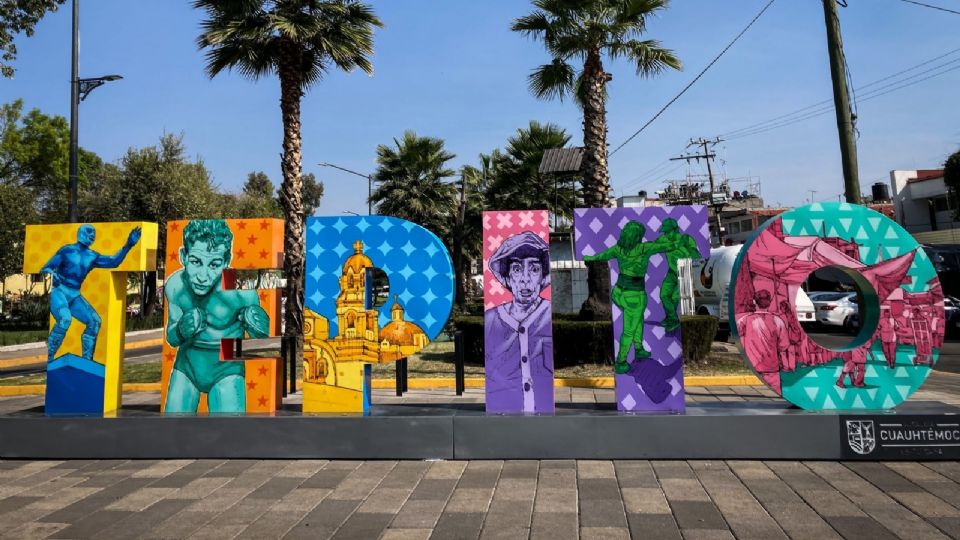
(599, 228)
(497, 227)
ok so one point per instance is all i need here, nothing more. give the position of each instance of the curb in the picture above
(436, 383)
(42, 358)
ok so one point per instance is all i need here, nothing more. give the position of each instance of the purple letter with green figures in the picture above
(643, 247)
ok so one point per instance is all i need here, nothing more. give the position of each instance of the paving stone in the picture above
(96, 501)
(433, 489)
(469, 500)
(91, 525)
(276, 488)
(480, 474)
(557, 477)
(644, 501)
(458, 525)
(144, 521)
(188, 473)
(405, 475)
(12, 504)
(554, 526)
(33, 529)
(326, 478)
(140, 499)
(384, 501)
(707, 534)
(604, 533)
(598, 488)
(697, 515)
(558, 464)
(950, 526)
(272, 524)
(602, 513)
(516, 489)
(883, 477)
(304, 468)
(367, 525)
(926, 504)
(328, 515)
(419, 514)
(800, 522)
(553, 500)
(406, 534)
(595, 469)
(180, 525)
(519, 469)
(672, 469)
(855, 528)
(683, 489)
(301, 499)
(197, 488)
(232, 468)
(636, 474)
(653, 525)
(445, 470)
(158, 469)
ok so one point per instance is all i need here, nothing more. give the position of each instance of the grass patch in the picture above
(16, 337)
(147, 372)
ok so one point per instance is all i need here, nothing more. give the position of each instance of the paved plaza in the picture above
(483, 499)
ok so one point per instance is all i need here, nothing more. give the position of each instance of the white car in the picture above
(835, 308)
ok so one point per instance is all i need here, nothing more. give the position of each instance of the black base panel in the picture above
(732, 430)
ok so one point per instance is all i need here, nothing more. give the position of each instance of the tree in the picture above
(586, 31)
(951, 177)
(156, 184)
(517, 183)
(19, 16)
(312, 194)
(15, 214)
(410, 183)
(34, 154)
(299, 41)
(258, 184)
(468, 233)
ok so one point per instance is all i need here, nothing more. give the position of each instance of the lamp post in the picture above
(369, 178)
(79, 90)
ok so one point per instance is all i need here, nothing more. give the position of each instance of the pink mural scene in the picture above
(900, 309)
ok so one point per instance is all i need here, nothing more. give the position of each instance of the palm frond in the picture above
(553, 80)
(648, 56)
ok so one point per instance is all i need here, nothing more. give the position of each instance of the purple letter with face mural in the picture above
(643, 247)
(518, 337)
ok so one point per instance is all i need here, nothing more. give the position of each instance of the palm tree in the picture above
(586, 31)
(299, 41)
(517, 183)
(410, 183)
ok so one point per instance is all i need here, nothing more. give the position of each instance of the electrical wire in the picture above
(861, 89)
(695, 79)
(893, 87)
(931, 7)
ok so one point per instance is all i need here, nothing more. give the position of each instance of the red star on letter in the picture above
(174, 227)
(263, 370)
(241, 254)
(264, 225)
(263, 254)
(252, 240)
(173, 256)
(242, 225)
(263, 296)
(262, 401)
(168, 357)
(251, 385)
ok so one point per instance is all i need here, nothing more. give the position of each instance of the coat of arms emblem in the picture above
(861, 436)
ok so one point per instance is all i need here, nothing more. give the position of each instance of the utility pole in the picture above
(841, 102)
(706, 156)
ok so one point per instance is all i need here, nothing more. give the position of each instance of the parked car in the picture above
(951, 312)
(835, 309)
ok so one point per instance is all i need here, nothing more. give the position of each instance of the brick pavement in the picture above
(478, 499)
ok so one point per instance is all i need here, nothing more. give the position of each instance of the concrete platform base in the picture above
(733, 430)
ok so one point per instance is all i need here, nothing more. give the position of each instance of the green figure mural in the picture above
(682, 246)
(630, 294)
(200, 315)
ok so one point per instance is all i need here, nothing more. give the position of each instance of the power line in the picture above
(931, 7)
(695, 79)
(874, 94)
(860, 89)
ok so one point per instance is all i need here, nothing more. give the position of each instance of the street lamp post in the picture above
(369, 178)
(79, 89)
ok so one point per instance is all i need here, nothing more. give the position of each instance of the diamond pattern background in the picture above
(415, 260)
(599, 228)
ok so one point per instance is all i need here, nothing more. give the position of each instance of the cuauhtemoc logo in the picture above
(861, 436)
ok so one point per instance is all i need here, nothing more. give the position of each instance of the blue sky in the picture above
(452, 69)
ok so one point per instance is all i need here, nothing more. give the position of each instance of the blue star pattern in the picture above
(416, 262)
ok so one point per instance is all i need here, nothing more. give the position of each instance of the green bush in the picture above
(697, 333)
(135, 323)
(591, 342)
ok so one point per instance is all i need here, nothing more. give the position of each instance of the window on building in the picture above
(733, 227)
(746, 225)
(942, 203)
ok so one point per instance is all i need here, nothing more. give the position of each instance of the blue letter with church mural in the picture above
(344, 331)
